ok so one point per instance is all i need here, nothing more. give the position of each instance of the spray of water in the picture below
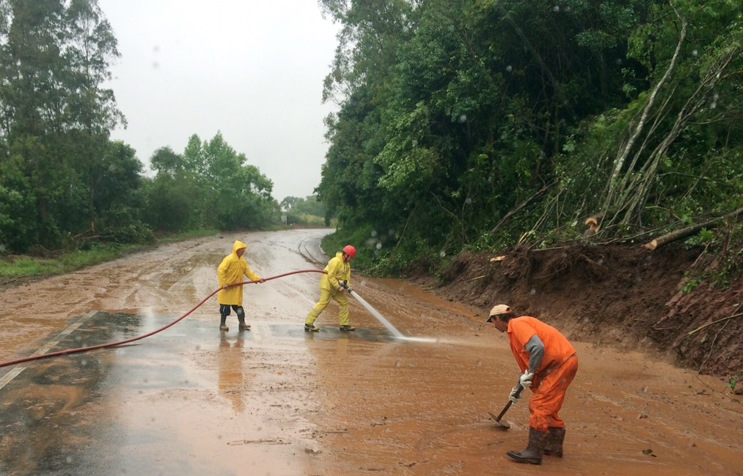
(396, 333)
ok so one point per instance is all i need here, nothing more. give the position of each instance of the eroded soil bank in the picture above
(621, 295)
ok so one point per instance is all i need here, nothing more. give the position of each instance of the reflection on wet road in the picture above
(87, 404)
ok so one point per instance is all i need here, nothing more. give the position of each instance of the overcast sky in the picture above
(250, 69)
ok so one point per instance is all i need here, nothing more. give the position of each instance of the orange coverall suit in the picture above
(554, 374)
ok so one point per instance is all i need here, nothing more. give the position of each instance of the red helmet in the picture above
(349, 250)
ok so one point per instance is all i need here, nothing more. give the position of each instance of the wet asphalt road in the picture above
(68, 414)
(277, 401)
(180, 401)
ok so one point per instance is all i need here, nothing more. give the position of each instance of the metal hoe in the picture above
(504, 425)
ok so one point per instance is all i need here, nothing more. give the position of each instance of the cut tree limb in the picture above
(685, 232)
(519, 207)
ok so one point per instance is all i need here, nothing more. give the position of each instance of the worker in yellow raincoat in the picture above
(334, 281)
(230, 271)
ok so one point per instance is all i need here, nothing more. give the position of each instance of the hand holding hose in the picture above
(345, 285)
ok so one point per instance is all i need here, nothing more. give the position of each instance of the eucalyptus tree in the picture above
(55, 114)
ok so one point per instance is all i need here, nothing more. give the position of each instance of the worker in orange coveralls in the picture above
(548, 363)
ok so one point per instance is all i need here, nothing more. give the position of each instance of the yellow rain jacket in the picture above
(336, 271)
(231, 270)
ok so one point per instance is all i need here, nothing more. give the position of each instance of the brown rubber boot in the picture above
(223, 326)
(554, 446)
(534, 451)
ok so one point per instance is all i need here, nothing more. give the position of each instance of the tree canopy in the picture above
(63, 182)
(484, 124)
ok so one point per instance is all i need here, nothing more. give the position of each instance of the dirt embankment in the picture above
(620, 295)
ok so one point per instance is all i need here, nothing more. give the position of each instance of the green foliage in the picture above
(209, 185)
(308, 211)
(55, 117)
(479, 125)
(64, 263)
(691, 283)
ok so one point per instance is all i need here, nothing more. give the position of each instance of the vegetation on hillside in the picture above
(483, 124)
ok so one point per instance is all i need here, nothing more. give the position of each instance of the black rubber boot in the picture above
(223, 326)
(554, 446)
(241, 320)
(534, 451)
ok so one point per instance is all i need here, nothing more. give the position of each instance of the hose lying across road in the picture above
(127, 341)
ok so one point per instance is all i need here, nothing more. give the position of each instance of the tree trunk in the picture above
(685, 232)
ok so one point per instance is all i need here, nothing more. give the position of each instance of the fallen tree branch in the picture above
(685, 232)
(713, 323)
(519, 207)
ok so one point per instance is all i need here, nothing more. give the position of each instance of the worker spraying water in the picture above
(395, 332)
(333, 283)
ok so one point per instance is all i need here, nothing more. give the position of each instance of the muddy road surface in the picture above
(278, 401)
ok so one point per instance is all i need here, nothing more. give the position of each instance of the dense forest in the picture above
(462, 125)
(484, 124)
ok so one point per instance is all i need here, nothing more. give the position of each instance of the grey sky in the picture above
(250, 69)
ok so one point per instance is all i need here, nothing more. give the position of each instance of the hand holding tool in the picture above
(525, 380)
(515, 395)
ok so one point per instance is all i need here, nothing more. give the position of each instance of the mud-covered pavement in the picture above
(278, 401)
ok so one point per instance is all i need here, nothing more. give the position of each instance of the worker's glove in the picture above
(345, 285)
(525, 380)
(515, 394)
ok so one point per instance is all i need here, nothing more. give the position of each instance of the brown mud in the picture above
(621, 295)
(278, 401)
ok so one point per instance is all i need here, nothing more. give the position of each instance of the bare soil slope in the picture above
(621, 295)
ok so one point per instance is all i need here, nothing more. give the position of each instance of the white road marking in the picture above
(7, 378)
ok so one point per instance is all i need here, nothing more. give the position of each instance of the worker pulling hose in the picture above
(133, 339)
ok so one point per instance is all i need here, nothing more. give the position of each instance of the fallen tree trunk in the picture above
(685, 232)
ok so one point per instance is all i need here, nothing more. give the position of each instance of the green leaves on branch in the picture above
(474, 124)
(210, 185)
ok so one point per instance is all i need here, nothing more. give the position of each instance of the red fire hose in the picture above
(127, 341)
